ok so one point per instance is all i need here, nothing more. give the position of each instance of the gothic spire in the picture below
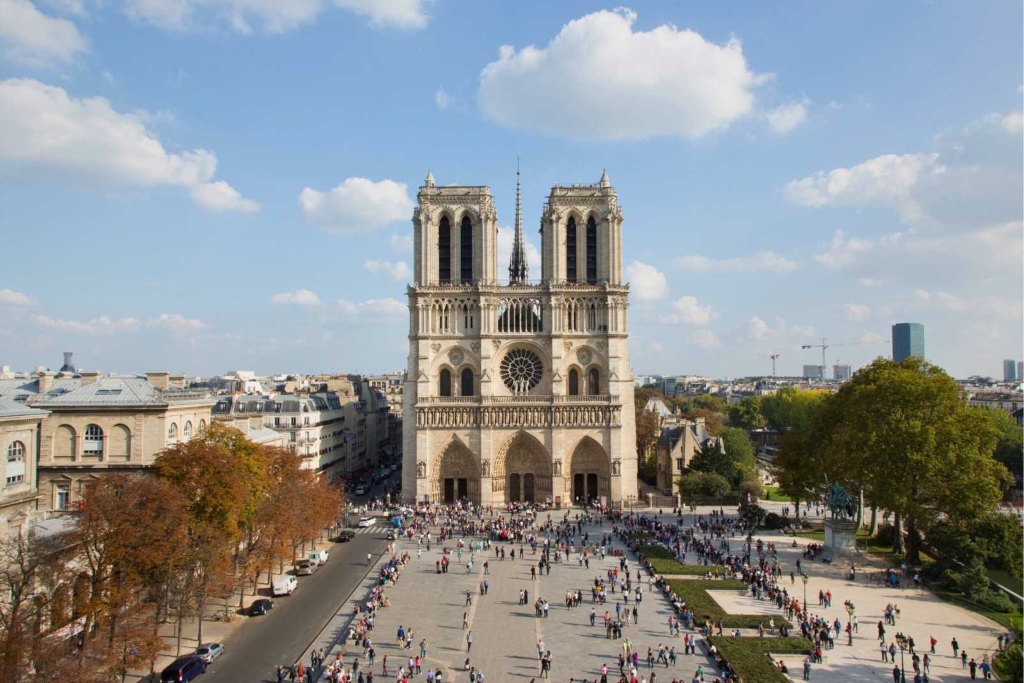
(517, 268)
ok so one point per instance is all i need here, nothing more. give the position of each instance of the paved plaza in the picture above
(505, 634)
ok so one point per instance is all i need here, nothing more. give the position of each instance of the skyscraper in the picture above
(1010, 371)
(907, 340)
(814, 372)
(1020, 370)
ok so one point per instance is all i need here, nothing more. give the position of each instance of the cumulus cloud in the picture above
(397, 270)
(870, 282)
(10, 297)
(44, 132)
(176, 323)
(760, 262)
(300, 297)
(762, 331)
(401, 14)
(36, 39)
(646, 282)
(705, 339)
(441, 99)
(600, 79)
(219, 196)
(506, 236)
(356, 205)
(870, 338)
(788, 117)
(401, 243)
(687, 310)
(374, 309)
(103, 325)
(856, 312)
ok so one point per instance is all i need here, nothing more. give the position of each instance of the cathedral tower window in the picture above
(466, 251)
(574, 382)
(467, 383)
(445, 383)
(593, 382)
(570, 250)
(591, 251)
(444, 251)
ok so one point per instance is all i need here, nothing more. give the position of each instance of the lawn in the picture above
(772, 493)
(665, 564)
(640, 536)
(695, 594)
(748, 657)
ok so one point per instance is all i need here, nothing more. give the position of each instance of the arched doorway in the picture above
(522, 471)
(456, 474)
(589, 473)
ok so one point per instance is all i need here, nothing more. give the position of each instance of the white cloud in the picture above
(788, 117)
(922, 295)
(600, 79)
(36, 39)
(300, 297)
(441, 99)
(219, 196)
(505, 238)
(45, 132)
(103, 325)
(705, 339)
(762, 331)
(373, 309)
(870, 282)
(107, 76)
(357, 205)
(176, 323)
(397, 271)
(10, 297)
(951, 302)
(844, 251)
(1013, 122)
(401, 243)
(856, 312)
(646, 282)
(870, 338)
(402, 14)
(687, 310)
(762, 261)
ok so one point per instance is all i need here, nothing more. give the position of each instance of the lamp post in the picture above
(849, 621)
(805, 579)
(901, 640)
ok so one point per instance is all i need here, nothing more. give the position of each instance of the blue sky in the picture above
(205, 185)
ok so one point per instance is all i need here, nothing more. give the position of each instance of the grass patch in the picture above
(664, 563)
(640, 536)
(748, 657)
(772, 493)
(695, 595)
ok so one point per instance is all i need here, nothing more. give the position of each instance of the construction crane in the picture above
(773, 357)
(823, 345)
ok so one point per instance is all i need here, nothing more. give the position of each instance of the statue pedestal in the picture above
(840, 536)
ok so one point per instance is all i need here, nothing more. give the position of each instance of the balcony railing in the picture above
(603, 399)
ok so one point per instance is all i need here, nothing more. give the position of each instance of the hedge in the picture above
(695, 594)
(748, 657)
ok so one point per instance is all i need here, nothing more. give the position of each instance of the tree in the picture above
(648, 431)
(712, 420)
(747, 414)
(903, 432)
(704, 484)
(1010, 447)
(791, 408)
(731, 456)
(799, 466)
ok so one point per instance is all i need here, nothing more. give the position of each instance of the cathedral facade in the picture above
(520, 392)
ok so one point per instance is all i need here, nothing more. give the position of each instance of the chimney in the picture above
(45, 381)
(89, 377)
(69, 363)
(177, 381)
(160, 380)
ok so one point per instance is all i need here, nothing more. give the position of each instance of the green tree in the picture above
(704, 484)
(747, 414)
(791, 408)
(732, 457)
(1010, 447)
(903, 433)
(799, 466)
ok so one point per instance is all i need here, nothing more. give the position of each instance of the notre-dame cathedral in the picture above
(518, 392)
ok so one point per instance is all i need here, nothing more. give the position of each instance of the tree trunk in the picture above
(860, 510)
(202, 604)
(873, 529)
(897, 533)
(913, 546)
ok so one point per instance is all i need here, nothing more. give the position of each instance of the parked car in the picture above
(367, 521)
(346, 535)
(305, 567)
(285, 585)
(319, 557)
(183, 669)
(261, 606)
(209, 651)
(392, 535)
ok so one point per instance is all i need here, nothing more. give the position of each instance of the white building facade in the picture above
(520, 392)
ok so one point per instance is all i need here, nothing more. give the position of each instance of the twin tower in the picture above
(518, 392)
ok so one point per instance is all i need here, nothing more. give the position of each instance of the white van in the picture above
(285, 585)
(319, 557)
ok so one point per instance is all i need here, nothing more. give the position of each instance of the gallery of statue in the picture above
(518, 392)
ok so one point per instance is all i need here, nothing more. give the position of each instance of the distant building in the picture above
(677, 445)
(907, 340)
(1020, 370)
(1010, 371)
(841, 373)
(813, 372)
(19, 442)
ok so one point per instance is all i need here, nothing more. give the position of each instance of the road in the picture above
(255, 649)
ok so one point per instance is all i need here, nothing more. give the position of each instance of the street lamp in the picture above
(901, 640)
(849, 621)
(805, 579)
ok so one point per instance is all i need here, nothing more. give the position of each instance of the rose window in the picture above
(521, 370)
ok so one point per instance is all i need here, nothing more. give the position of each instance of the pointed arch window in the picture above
(466, 388)
(466, 251)
(591, 251)
(593, 382)
(570, 250)
(574, 382)
(444, 251)
(445, 383)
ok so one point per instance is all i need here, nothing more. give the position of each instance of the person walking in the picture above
(469, 641)
(807, 668)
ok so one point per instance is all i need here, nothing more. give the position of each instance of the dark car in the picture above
(346, 535)
(261, 606)
(183, 669)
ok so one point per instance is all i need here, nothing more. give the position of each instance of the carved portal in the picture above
(589, 472)
(455, 474)
(522, 470)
